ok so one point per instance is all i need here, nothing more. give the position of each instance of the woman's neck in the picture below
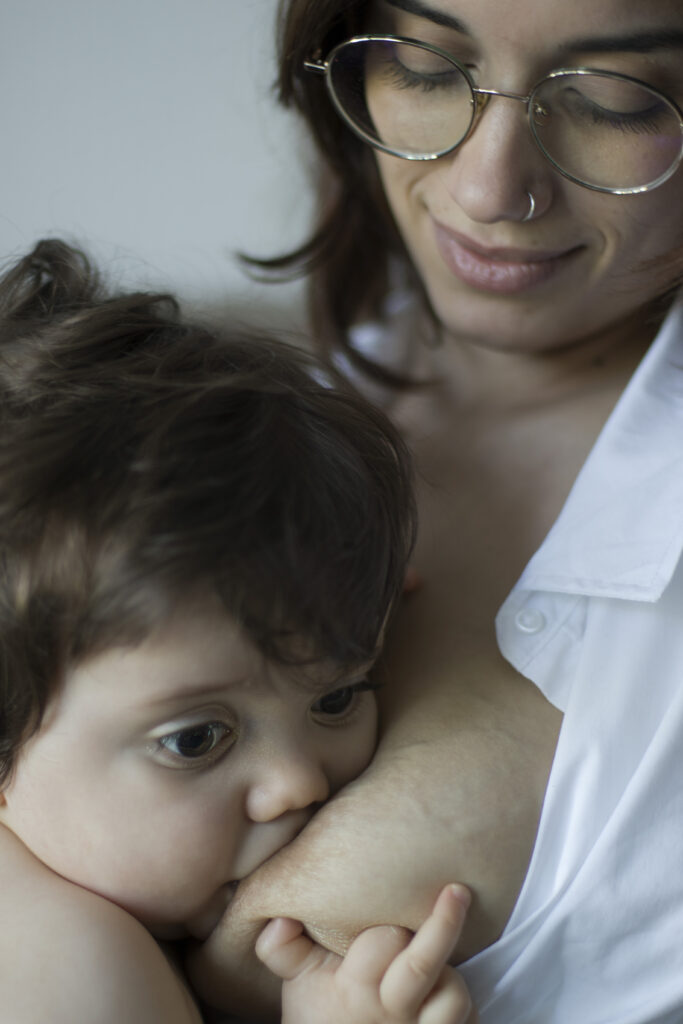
(470, 372)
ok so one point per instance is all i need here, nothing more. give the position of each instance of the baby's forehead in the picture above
(199, 650)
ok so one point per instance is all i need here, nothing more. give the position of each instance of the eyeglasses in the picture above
(605, 131)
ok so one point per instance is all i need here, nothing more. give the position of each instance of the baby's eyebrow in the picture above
(320, 684)
(315, 683)
(191, 692)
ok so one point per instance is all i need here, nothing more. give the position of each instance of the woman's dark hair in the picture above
(145, 459)
(355, 243)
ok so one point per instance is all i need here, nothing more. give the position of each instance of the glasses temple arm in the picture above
(319, 67)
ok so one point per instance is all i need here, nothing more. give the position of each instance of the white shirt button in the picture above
(529, 620)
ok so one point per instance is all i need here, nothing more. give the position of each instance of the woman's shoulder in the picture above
(67, 954)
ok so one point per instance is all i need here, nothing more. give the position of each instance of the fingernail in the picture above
(461, 893)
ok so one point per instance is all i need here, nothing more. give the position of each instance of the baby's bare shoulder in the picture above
(68, 955)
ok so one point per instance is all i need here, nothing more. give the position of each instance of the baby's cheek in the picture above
(348, 755)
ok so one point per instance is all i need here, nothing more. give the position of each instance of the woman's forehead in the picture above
(467, 15)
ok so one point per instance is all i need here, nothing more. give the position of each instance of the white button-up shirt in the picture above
(596, 621)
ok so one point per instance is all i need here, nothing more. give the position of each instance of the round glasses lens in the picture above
(403, 97)
(606, 131)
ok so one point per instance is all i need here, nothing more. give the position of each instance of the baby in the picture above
(202, 540)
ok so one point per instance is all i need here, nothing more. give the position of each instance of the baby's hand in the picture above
(387, 976)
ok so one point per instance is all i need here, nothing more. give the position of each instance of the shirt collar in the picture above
(620, 533)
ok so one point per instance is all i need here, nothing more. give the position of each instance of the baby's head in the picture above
(201, 542)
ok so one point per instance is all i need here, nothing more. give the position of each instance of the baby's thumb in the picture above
(285, 950)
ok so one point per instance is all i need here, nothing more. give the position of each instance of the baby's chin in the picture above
(198, 925)
(201, 924)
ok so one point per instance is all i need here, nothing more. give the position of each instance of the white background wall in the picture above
(147, 130)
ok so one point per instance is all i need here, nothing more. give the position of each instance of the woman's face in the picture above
(585, 262)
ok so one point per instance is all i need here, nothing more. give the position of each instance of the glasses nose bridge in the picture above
(482, 98)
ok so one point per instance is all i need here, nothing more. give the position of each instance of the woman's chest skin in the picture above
(488, 492)
(455, 790)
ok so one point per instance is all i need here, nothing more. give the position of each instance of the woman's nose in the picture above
(290, 781)
(493, 171)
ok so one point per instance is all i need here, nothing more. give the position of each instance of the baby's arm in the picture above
(387, 977)
(67, 955)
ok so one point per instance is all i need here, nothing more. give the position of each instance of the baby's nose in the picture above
(290, 783)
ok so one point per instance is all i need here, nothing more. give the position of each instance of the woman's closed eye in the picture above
(624, 116)
(401, 76)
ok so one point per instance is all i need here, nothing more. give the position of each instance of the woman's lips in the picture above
(500, 270)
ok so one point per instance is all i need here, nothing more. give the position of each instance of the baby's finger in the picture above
(372, 952)
(449, 1002)
(283, 947)
(414, 972)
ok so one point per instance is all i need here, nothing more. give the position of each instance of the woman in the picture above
(517, 168)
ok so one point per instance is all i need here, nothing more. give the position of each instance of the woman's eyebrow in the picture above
(421, 10)
(634, 42)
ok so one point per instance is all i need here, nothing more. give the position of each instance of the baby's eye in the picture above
(335, 703)
(341, 701)
(196, 741)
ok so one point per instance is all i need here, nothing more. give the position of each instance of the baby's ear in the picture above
(412, 580)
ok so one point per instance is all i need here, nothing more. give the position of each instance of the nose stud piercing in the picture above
(532, 207)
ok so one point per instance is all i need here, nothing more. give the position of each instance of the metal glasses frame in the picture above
(479, 99)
